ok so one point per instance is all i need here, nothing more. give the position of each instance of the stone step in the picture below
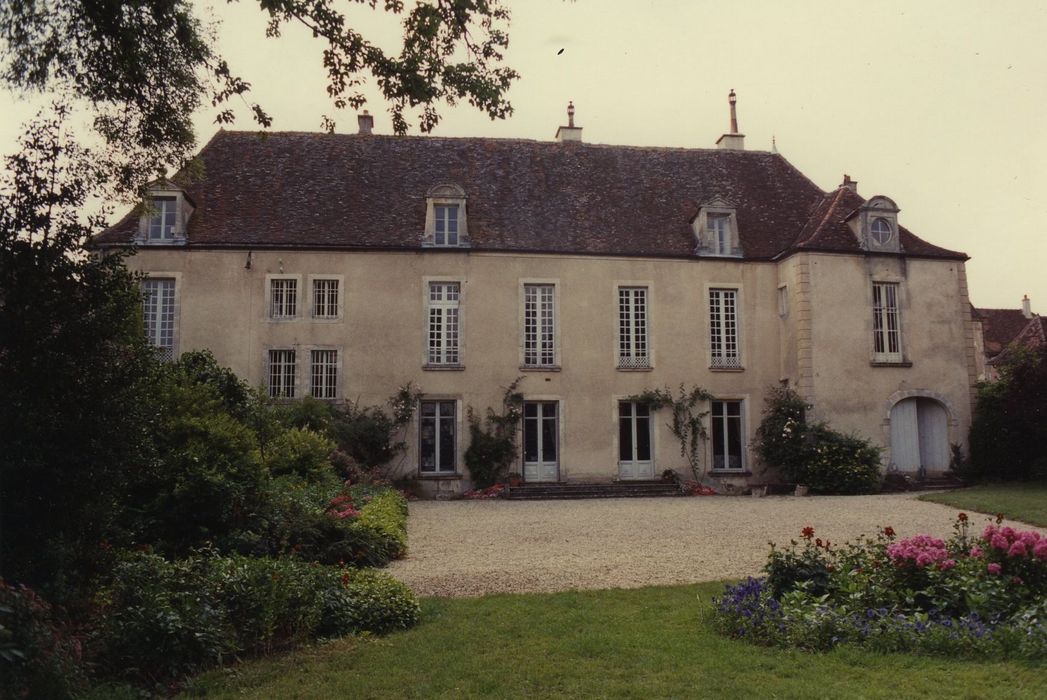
(633, 489)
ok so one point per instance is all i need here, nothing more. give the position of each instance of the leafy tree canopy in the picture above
(145, 66)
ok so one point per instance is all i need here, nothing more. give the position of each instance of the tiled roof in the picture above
(999, 328)
(350, 191)
(1031, 337)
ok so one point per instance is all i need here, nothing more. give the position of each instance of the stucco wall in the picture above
(382, 340)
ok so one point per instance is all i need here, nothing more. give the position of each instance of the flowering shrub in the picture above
(493, 491)
(962, 596)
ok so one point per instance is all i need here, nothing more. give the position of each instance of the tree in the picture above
(1008, 437)
(74, 419)
(146, 65)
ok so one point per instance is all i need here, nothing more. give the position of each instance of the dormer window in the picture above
(716, 230)
(165, 216)
(875, 224)
(445, 218)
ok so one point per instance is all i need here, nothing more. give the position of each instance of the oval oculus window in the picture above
(881, 231)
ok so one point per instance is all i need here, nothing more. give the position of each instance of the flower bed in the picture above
(967, 595)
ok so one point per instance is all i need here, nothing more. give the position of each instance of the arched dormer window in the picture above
(876, 225)
(716, 230)
(165, 215)
(445, 218)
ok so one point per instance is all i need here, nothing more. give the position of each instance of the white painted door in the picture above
(905, 436)
(933, 425)
(541, 462)
(635, 451)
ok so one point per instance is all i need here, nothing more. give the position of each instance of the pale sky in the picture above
(938, 105)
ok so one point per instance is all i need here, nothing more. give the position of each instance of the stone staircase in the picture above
(897, 482)
(570, 490)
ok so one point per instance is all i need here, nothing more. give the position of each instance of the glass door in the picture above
(540, 441)
(635, 453)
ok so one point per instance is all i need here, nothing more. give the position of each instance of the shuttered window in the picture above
(632, 328)
(723, 329)
(887, 336)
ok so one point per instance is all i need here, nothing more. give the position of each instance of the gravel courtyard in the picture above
(468, 548)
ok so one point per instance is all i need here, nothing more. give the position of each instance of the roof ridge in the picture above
(828, 212)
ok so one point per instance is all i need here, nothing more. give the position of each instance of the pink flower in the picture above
(1009, 533)
(1029, 537)
(1040, 550)
(988, 532)
(946, 564)
(1000, 542)
(1017, 580)
(994, 568)
(1017, 549)
(976, 551)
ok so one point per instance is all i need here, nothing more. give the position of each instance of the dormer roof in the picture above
(305, 190)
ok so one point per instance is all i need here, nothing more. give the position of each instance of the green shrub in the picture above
(367, 434)
(38, 657)
(492, 442)
(312, 414)
(200, 367)
(163, 619)
(813, 453)
(385, 512)
(301, 452)
(159, 619)
(369, 601)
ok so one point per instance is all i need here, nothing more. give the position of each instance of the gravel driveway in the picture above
(467, 548)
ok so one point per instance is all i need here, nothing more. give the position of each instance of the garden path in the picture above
(468, 548)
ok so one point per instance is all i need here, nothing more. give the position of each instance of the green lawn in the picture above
(1026, 501)
(643, 643)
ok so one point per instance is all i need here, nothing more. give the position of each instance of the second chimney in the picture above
(850, 184)
(1026, 306)
(569, 132)
(732, 140)
(366, 122)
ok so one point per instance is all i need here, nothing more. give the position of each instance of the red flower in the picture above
(888, 531)
(345, 579)
(818, 542)
(962, 517)
(808, 532)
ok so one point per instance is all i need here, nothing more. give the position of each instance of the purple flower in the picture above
(994, 568)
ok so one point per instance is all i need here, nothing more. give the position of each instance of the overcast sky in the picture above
(939, 105)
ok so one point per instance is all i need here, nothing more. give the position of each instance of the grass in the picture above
(642, 643)
(1024, 501)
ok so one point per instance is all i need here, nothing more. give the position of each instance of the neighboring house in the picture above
(343, 266)
(1001, 329)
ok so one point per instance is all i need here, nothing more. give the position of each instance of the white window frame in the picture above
(546, 355)
(440, 469)
(328, 386)
(713, 416)
(443, 323)
(339, 297)
(634, 326)
(725, 346)
(154, 331)
(282, 389)
(445, 218)
(887, 322)
(269, 288)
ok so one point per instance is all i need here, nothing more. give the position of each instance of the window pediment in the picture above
(446, 224)
(715, 229)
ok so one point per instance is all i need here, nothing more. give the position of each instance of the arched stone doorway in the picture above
(919, 435)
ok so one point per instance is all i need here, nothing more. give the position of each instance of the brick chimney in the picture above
(732, 141)
(850, 184)
(569, 132)
(1026, 306)
(366, 122)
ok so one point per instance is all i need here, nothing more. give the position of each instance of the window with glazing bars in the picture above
(539, 325)
(281, 374)
(162, 218)
(723, 328)
(719, 233)
(283, 298)
(887, 340)
(727, 434)
(444, 298)
(436, 437)
(158, 302)
(325, 298)
(632, 327)
(446, 220)
(324, 374)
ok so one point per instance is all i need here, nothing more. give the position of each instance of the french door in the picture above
(635, 451)
(540, 454)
